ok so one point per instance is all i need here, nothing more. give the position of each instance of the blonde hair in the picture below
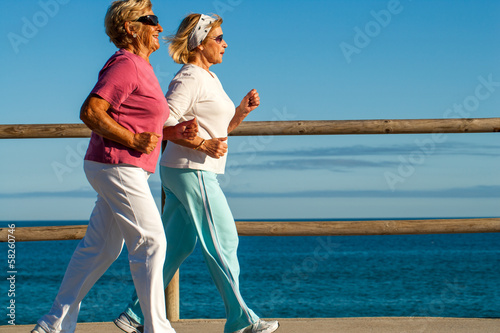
(178, 48)
(122, 11)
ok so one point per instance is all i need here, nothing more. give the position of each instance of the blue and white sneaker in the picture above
(38, 329)
(260, 326)
(127, 324)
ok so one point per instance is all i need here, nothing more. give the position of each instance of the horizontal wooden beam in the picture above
(375, 227)
(27, 234)
(296, 228)
(383, 126)
(323, 127)
(44, 131)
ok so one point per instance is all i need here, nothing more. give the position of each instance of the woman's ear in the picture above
(129, 29)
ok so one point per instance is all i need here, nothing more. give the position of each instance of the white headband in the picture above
(200, 32)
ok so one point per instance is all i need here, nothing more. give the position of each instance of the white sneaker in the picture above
(38, 329)
(127, 324)
(260, 326)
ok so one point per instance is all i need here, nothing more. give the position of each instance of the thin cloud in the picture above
(333, 164)
(338, 158)
(84, 193)
(50, 194)
(492, 191)
(444, 148)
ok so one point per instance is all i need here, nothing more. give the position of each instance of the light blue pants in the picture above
(196, 208)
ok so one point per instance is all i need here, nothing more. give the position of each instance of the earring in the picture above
(134, 35)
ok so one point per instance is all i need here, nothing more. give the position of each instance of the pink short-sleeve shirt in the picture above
(129, 84)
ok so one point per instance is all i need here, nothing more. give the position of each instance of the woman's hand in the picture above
(186, 130)
(145, 142)
(215, 148)
(249, 103)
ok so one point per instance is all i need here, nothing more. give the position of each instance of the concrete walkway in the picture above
(317, 325)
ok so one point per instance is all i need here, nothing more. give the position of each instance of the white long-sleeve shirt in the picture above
(196, 93)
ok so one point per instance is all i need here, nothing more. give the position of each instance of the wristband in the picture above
(198, 146)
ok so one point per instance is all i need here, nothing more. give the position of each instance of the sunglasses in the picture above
(218, 39)
(148, 19)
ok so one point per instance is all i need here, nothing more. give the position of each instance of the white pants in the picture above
(125, 211)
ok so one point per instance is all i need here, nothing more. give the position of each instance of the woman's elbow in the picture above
(84, 110)
(88, 112)
(85, 115)
(94, 112)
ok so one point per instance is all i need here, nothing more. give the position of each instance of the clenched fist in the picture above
(145, 142)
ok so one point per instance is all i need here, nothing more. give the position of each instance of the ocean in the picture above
(455, 275)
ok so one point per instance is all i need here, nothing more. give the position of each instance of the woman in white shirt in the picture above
(195, 206)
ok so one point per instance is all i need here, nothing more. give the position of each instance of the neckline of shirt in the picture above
(212, 75)
(132, 54)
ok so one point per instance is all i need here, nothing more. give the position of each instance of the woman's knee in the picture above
(181, 249)
(156, 243)
(148, 245)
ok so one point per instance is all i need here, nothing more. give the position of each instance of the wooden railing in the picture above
(298, 228)
(323, 127)
(282, 228)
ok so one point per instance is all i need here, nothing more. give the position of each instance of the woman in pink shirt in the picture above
(126, 112)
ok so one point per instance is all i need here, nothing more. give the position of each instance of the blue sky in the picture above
(309, 60)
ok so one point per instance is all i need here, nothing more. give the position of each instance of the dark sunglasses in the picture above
(148, 19)
(218, 39)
